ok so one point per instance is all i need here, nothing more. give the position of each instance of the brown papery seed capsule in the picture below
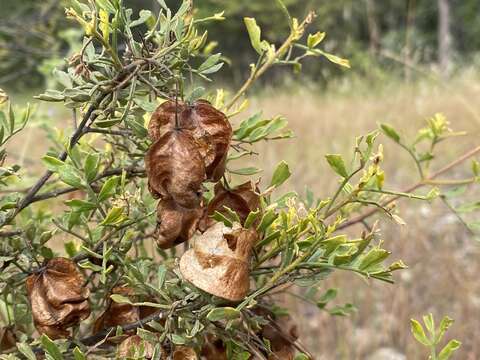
(207, 125)
(219, 261)
(175, 169)
(175, 224)
(58, 298)
(242, 199)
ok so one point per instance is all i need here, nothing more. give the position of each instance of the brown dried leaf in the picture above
(219, 261)
(175, 224)
(175, 169)
(58, 298)
(243, 199)
(208, 126)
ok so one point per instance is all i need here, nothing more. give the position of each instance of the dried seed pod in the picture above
(175, 169)
(7, 338)
(282, 335)
(184, 353)
(219, 261)
(175, 224)
(214, 349)
(209, 126)
(134, 347)
(58, 298)
(117, 314)
(243, 199)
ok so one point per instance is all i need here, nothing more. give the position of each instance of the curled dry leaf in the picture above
(175, 224)
(242, 199)
(134, 347)
(121, 314)
(207, 125)
(58, 298)
(219, 261)
(175, 169)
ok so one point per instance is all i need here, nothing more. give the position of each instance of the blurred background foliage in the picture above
(379, 37)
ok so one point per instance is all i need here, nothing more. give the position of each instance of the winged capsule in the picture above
(207, 125)
(175, 169)
(242, 199)
(219, 261)
(58, 298)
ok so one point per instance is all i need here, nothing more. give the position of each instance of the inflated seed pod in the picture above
(58, 298)
(208, 126)
(117, 314)
(282, 334)
(219, 261)
(175, 169)
(242, 199)
(175, 224)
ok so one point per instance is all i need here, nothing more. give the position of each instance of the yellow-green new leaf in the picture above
(254, 33)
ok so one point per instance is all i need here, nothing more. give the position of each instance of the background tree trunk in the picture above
(444, 37)
(373, 30)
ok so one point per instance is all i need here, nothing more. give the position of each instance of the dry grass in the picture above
(442, 256)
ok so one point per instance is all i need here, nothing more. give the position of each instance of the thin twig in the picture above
(412, 188)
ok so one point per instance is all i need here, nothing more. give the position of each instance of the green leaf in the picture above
(344, 310)
(26, 350)
(254, 33)
(280, 175)
(52, 164)
(267, 219)
(80, 205)
(114, 217)
(78, 354)
(374, 257)
(419, 333)
(144, 16)
(390, 132)
(246, 171)
(108, 189)
(315, 39)
(70, 176)
(177, 339)
(211, 61)
(444, 325)
(429, 323)
(251, 218)
(91, 166)
(301, 357)
(337, 60)
(449, 349)
(337, 163)
(223, 313)
(50, 348)
(328, 296)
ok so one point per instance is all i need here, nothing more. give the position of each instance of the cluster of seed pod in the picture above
(190, 147)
